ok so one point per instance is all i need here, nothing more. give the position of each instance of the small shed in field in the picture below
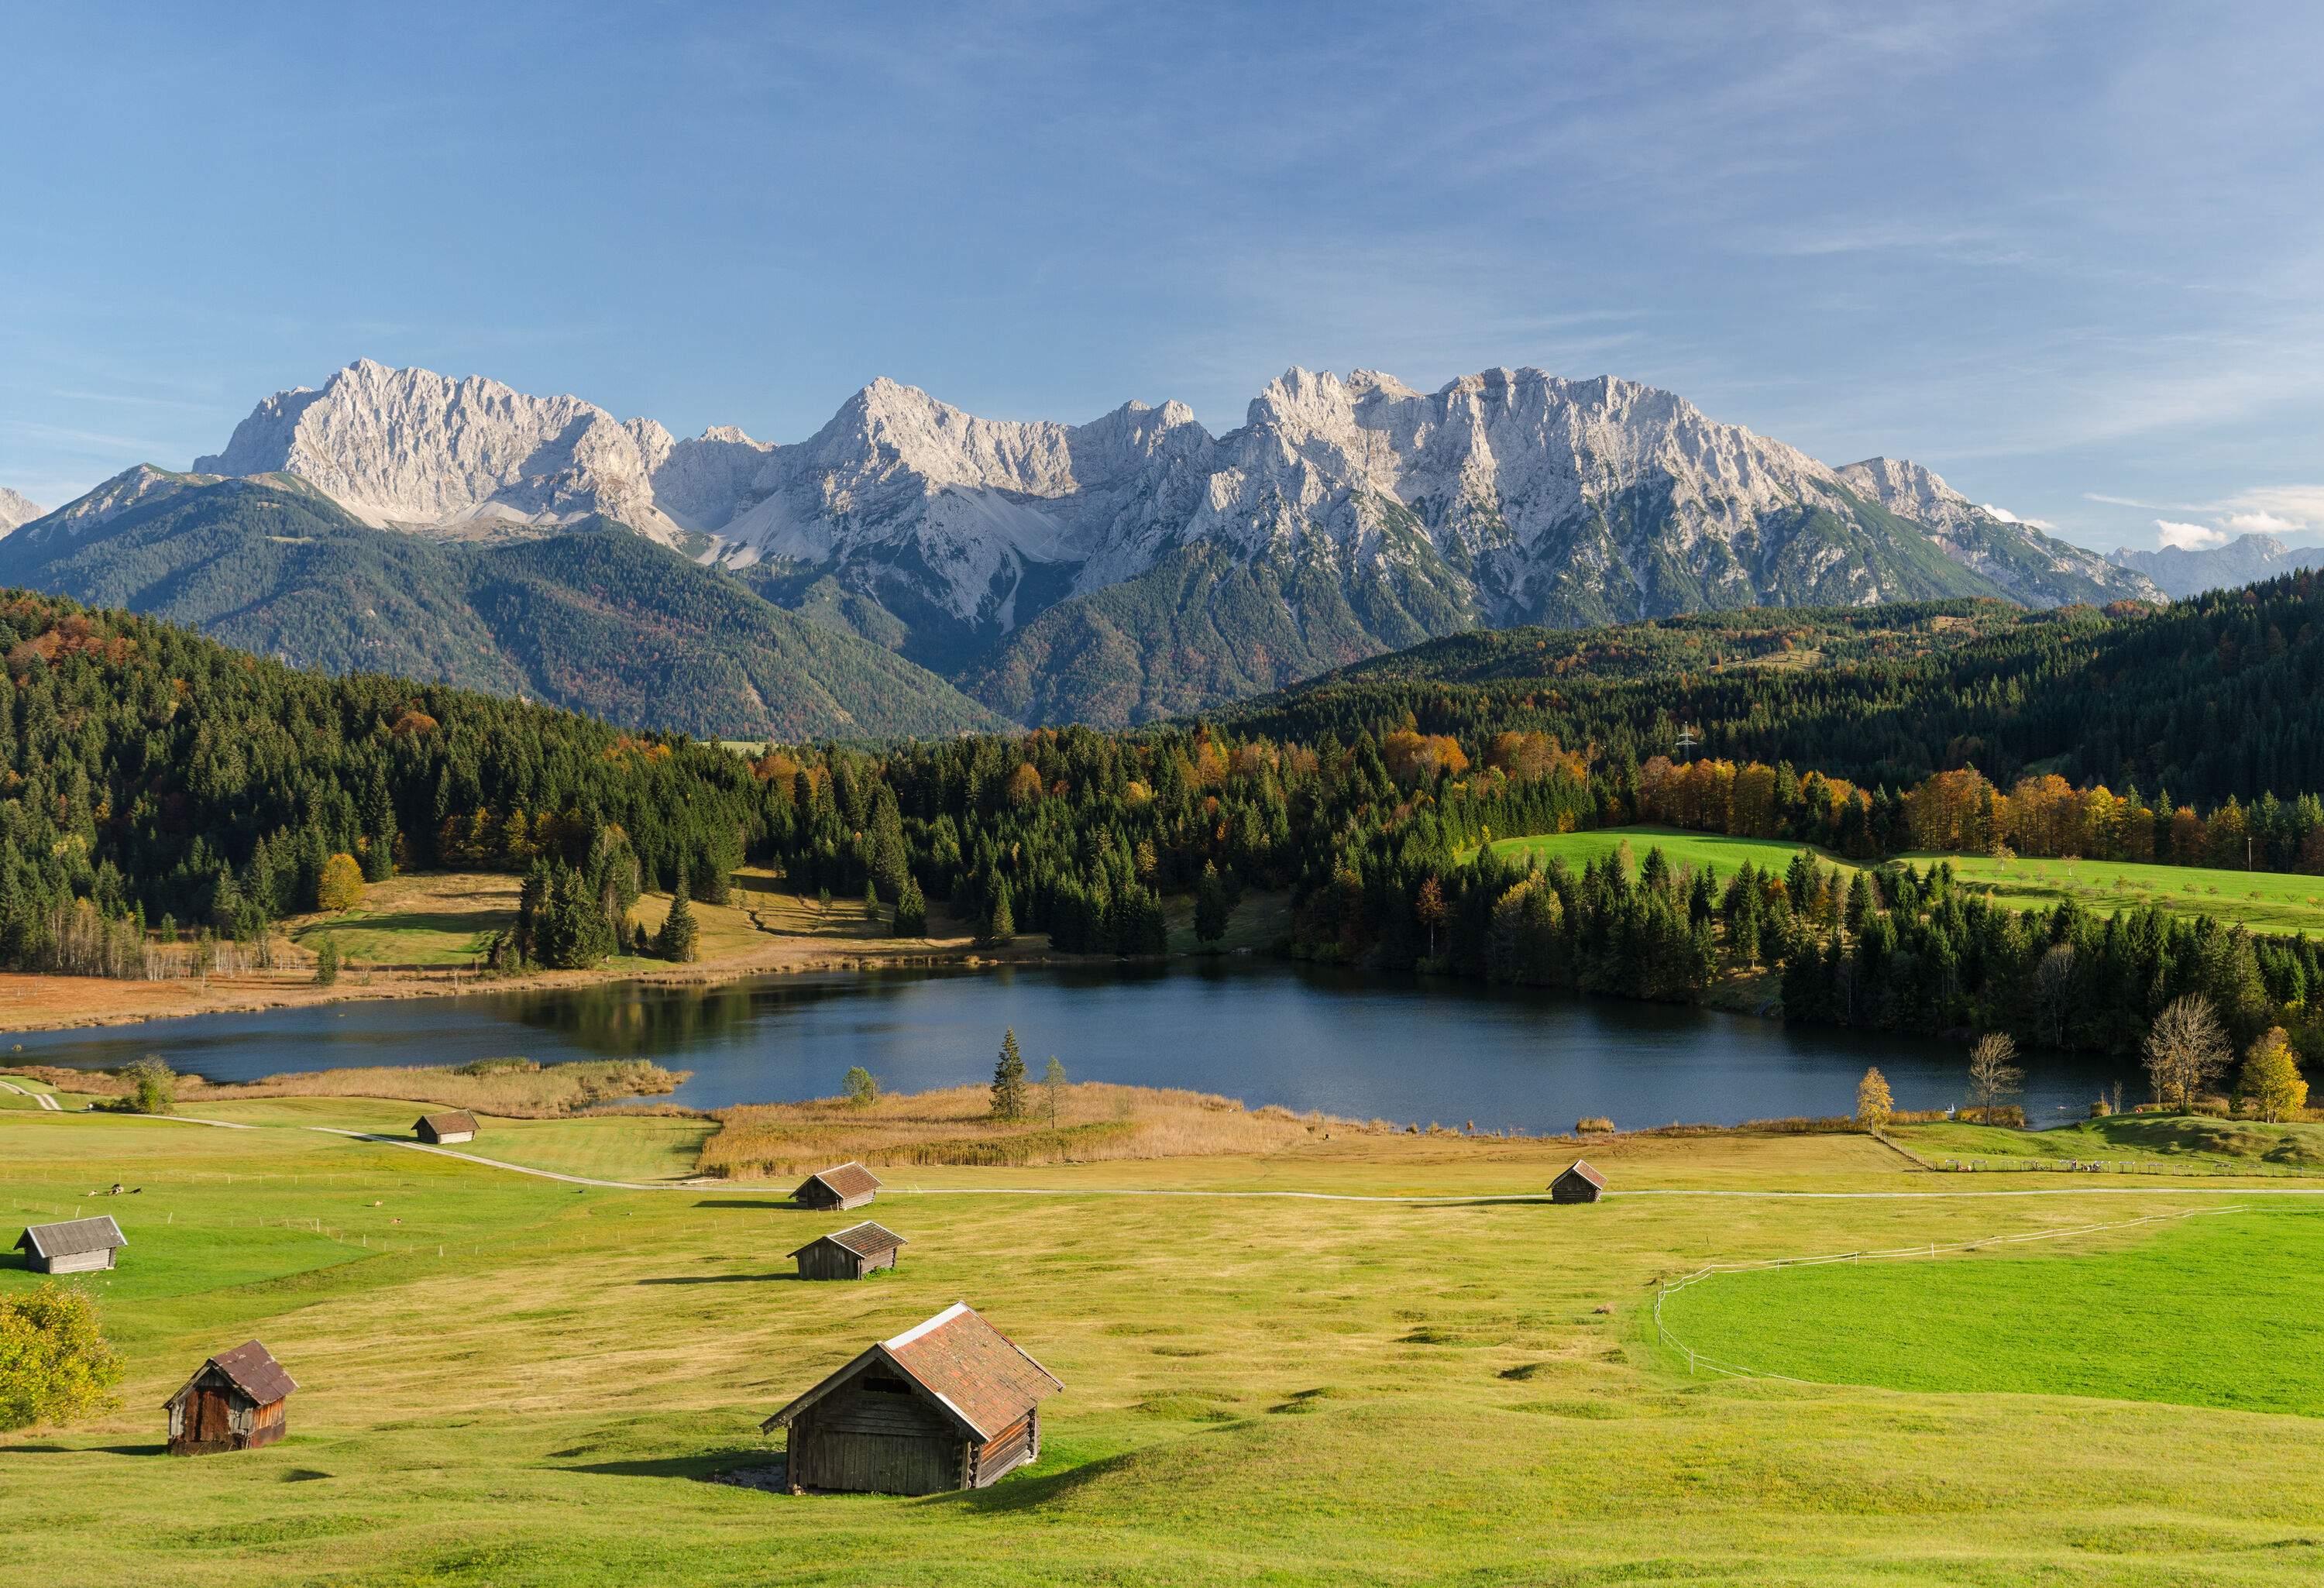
(236, 1402)
(1579, 1184)
(836, 1190)
(951, 1404)
(849, 1253)
(76, 1246)
(443, 1129)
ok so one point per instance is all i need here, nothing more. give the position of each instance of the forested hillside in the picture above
(2208, 698)
(592, 617)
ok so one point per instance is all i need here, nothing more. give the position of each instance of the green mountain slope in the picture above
(594, 618)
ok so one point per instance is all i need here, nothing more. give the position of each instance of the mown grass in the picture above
(2218, 1311)
(1257, 1391)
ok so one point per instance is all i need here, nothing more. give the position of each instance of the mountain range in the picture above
(1133, 567)
(16, 510)
(2180, 571)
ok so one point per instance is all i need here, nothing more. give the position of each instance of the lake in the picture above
(1406, 1048)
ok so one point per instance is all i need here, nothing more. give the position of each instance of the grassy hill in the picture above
(523, 1383)
(593, 618)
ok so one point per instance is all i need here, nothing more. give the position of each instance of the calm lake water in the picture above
(1407, 1049)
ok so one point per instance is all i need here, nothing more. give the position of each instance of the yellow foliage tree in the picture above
(1874, 1104)
(341, 885)
(2271, 1076)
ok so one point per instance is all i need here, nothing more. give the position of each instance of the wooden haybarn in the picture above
(237, 1401)
(443, 1128)
(1579, 1184)
(76, 1246)
(836, 1190)
(849, 1253)
(951, 1404)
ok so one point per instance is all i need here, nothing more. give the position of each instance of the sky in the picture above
(2067, 254)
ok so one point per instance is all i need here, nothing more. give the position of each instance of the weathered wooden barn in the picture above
(443, 1128)
(836, 1190)
(849, 1253)
(237, 1401)
(1579, 1184)
(951, 1404)
(76, 1246)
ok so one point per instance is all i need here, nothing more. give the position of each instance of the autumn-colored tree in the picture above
(54, 1362)
(1024, 784)
(2270, 1078)
(341, 884)
(1431, 911)
(1874, 1104)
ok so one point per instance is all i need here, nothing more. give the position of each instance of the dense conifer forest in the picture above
(153, 779)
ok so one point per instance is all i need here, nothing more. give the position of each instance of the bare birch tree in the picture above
(1993, 1072)
(2186, 1048)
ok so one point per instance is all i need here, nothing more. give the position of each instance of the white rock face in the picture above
(1511, 484)
(132, 487)
(17, 509)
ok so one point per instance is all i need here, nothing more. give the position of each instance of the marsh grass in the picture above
(1095, 1122)
(513, 1089)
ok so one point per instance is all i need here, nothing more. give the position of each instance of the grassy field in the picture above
(515, 1381)
(2215, 1311)
(2265, 901)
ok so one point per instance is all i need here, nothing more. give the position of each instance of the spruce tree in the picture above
(679, 938)
(1009, 1080)
(1001, 926)
(327, 963)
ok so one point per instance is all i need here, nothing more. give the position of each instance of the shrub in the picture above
(54, 1362)
(152, 1088)
(327, 963)
(1594, 1125)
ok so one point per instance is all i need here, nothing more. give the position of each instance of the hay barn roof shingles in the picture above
(450, 1124)
(253, 1369)
(1584, 1171)
(848, 1179)
(865, 1239)
(73, 1237)
(975, 1370)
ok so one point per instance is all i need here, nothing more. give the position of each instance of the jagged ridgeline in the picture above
(2209, 698)
(1118, 571)
(149, 771)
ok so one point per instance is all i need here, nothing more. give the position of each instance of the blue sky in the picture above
(2068, 256)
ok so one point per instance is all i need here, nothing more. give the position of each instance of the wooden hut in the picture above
(849, 1253)
(76, 1246)
(1579, 1184)
(443, 1128)
(951, 1404)
(836, 1190)
(236, 1402)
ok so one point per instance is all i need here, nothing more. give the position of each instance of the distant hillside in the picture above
(2205, 699)
(589, 618)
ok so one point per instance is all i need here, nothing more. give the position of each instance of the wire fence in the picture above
(1700, 1362)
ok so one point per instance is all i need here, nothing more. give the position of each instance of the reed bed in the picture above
(516, 1089)
(1094, 1121)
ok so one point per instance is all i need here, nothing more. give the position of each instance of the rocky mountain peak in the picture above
(17, 509)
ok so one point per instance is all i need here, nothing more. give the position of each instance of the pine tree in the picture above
(1213, 905)
(912, 911)
(1000, 927)
(1009, 1080)
(679, 938)
(326, 962)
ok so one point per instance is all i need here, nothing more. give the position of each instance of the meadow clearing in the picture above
(512, 1381)
(2265, 901)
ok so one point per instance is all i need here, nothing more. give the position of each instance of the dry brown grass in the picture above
(1095, 1122)
(543, 1092)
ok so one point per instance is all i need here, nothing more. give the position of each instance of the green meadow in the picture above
(513, 1381)
(2265, 901)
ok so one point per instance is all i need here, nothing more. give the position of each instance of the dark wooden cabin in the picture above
(1579, 1184)
(76, 1246)
(443, 1129)
(849, 1253)
(237, 1401)
(951, 1404)
(836, 1190)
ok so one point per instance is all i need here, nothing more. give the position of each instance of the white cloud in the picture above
(2007, 517)
(2188, 537)
(2259, 523)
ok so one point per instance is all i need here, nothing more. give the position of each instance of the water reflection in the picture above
(1404, 1048)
